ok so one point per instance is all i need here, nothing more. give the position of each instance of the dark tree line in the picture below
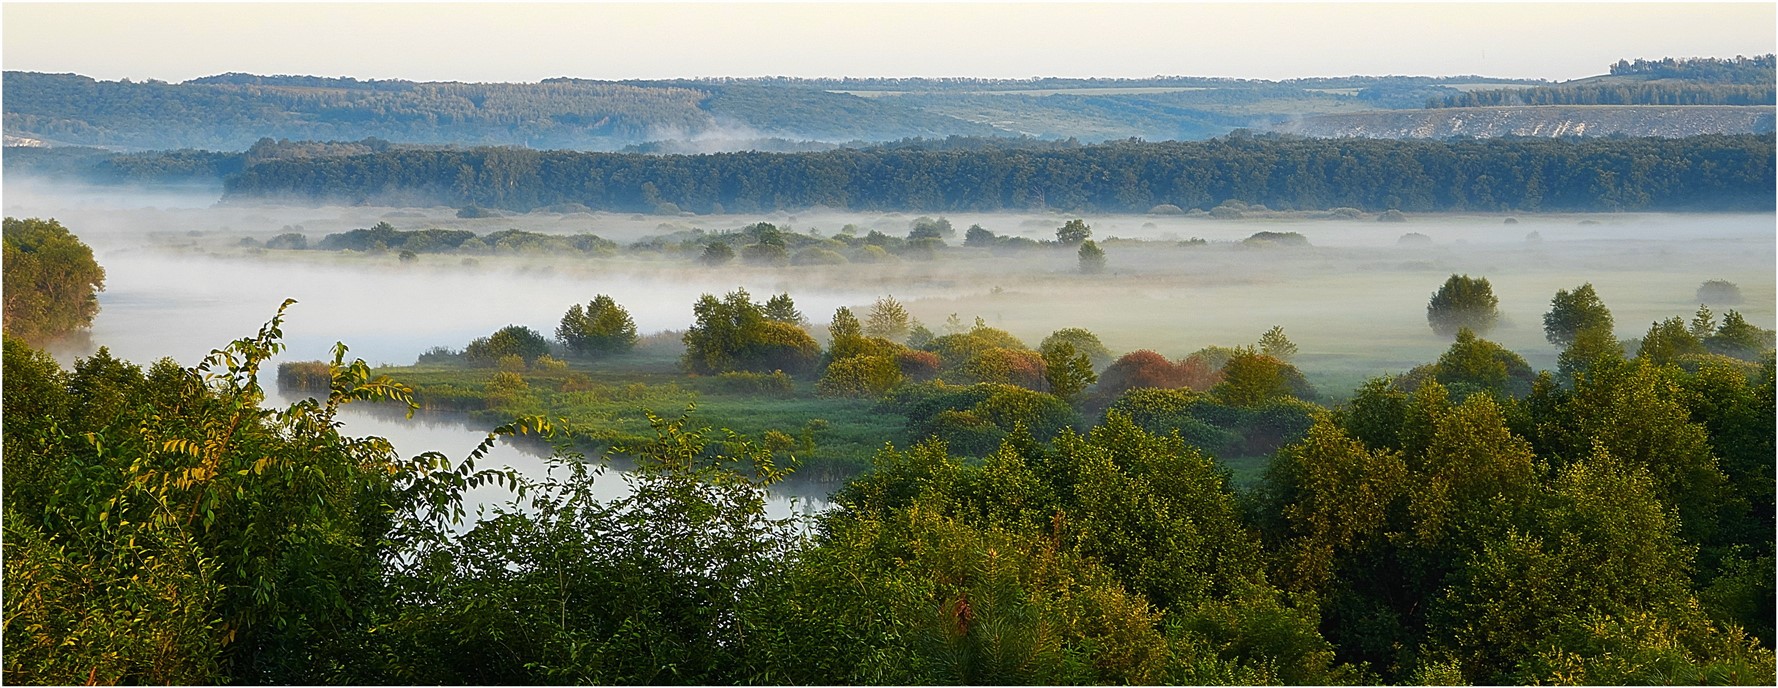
(1713, 172)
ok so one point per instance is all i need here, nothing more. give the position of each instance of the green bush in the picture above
(859, 376)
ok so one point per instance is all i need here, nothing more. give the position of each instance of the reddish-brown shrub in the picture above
(919, 366)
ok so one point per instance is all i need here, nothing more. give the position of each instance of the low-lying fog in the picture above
(180, 283)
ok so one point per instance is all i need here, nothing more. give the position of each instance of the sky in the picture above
(529, 42)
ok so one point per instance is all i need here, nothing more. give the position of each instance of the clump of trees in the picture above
(1463, 302)
(51, 280)
(602, 328)
(512, 341)
(735, 333)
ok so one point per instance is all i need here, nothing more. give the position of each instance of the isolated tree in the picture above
(51, 280)
(1092, 258)
(1573, 311)
(1719, 292)
(1463, 301)
(1073, 232)
(601, 328)
(1273, 343)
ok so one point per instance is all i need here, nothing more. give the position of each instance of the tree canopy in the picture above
(52, 280)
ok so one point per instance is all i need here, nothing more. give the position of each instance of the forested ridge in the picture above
(1716, 172)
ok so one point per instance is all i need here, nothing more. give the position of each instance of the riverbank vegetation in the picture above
(1610, 522)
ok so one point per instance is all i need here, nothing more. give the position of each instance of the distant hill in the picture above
(233, 111)
(230, 112)
(1543, 120)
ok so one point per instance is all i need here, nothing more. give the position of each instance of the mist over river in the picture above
(183, 278)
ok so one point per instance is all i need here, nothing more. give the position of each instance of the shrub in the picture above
(1020, 367)
(1142, 368)
(920, 366)
(775, 383)
(859, 376)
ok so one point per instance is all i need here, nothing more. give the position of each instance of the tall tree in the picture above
(1073, 232)
(888, 319)
(1573, 311)
(1463, 301)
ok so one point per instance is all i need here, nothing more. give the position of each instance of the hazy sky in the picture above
(514, 42)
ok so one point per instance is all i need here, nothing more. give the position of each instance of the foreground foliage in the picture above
(1613, 525)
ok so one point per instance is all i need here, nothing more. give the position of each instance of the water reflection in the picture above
(453, 435)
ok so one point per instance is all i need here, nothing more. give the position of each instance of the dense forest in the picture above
(1467, 522)
(1695, 173)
